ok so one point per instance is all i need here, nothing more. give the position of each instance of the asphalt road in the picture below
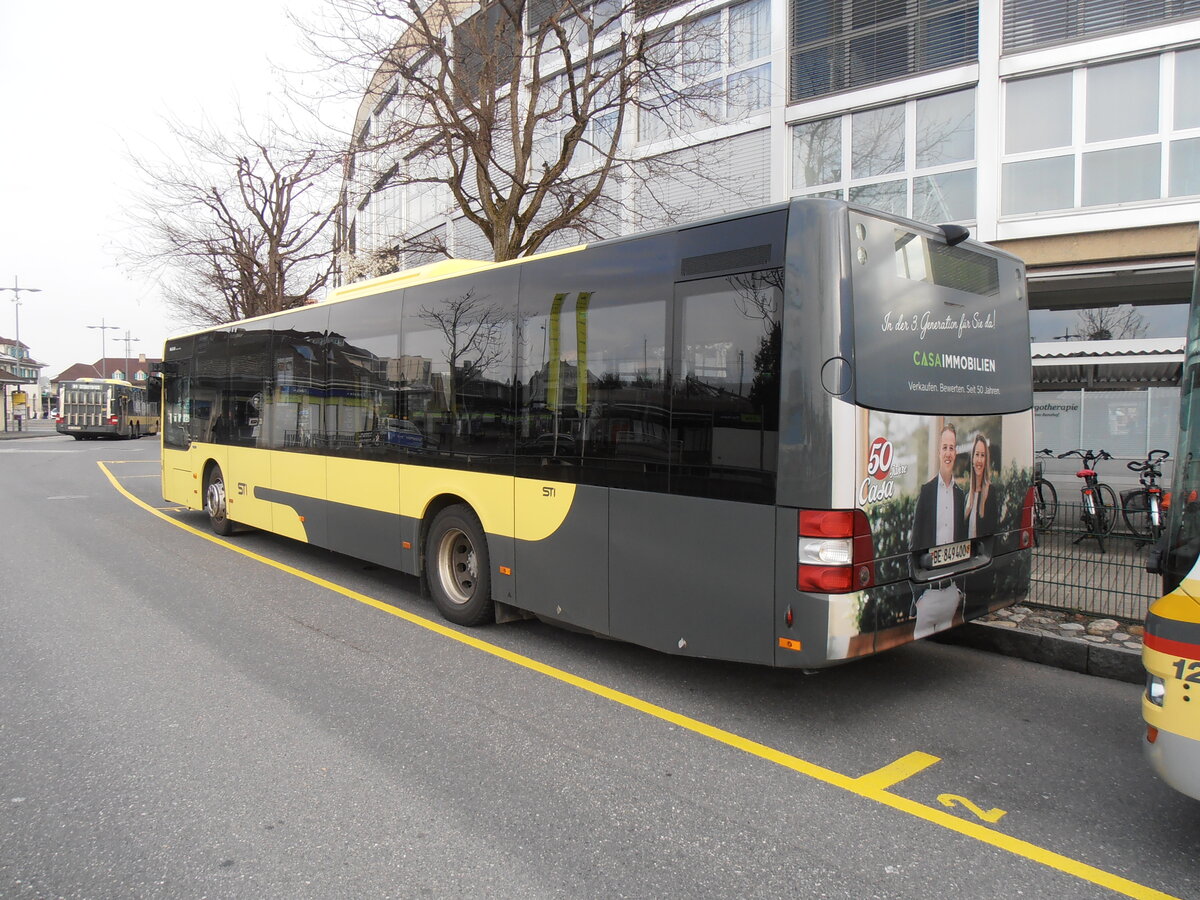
(179, 719)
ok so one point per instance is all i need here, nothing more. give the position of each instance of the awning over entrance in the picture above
(1099, 284)
(1107, 365)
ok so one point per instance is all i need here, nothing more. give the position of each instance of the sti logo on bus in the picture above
(879, 464)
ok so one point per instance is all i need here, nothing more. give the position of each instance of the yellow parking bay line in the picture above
(872, 786)
(894, 773)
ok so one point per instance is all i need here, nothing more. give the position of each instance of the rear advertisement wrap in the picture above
(944, 496)
(936, 328)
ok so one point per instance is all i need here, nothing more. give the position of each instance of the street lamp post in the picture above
(104, 345)
(127, 340)
(16, 299)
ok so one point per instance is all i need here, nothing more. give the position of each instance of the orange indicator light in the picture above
(789, 644)
(407, 545)
(505, 570)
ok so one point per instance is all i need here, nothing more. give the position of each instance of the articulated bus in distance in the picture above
(792, 436)
(92, 408)
(1171, 644)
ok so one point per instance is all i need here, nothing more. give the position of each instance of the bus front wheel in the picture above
(215, 502)
(457, 564)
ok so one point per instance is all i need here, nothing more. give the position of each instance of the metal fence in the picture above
(1074, 570)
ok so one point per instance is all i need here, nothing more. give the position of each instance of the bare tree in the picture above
(235, 226)
(1111, 323)
(516, 113)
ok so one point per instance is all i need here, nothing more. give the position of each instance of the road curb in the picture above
(1075, 655)
(22, 435)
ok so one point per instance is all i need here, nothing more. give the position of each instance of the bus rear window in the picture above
(920, 259)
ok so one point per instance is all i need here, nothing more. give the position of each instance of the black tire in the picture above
(1045, 505)
(216, 502)
(1136, 511)
(1106, 512)
(458, 567)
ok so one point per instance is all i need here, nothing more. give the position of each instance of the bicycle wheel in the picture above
(1136, 511)
(1045, 504)
(1106, 510)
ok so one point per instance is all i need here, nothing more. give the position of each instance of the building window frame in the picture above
(902, 178)
(841, 45)
(1067, 174)
(738, 87)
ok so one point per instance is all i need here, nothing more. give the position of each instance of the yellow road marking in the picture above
(988, 815)
(858, 786)
(894, 773)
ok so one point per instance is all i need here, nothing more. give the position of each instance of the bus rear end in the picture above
(85, 409)
(918, 381)
(1171, 645)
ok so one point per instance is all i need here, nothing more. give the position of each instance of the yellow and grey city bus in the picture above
(791, 436)
(1171, 644)
(92, 408)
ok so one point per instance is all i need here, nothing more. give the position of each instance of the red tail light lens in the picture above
(113, 420)
(836, 554)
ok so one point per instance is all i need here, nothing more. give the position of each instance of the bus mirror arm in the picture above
(955, 234)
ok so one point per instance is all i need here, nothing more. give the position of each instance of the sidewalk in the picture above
(1088, 644)
(31, 429)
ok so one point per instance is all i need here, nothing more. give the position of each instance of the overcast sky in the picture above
(81, 82)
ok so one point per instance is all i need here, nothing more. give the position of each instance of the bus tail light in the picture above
(836, 554)
(1027, 520)
(114, 420)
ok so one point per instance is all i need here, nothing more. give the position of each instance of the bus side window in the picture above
(725, 395)
(178, 409)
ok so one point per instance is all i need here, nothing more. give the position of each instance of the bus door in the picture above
(296, 427)
(179, 478)
(565, 434)
(685, 562)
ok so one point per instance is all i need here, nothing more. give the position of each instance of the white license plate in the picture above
(950, 553)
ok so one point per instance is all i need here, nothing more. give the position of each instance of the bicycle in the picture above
(1099, 508)
(1144, 508)
(1045, 497)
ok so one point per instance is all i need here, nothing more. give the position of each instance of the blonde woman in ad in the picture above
(981, 504)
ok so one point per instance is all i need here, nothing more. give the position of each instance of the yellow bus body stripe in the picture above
(859, 786)
(407, 490)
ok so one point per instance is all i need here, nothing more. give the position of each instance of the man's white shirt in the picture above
(944, 533)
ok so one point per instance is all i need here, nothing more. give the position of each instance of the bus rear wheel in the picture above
(458, 567)
(215, 502)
